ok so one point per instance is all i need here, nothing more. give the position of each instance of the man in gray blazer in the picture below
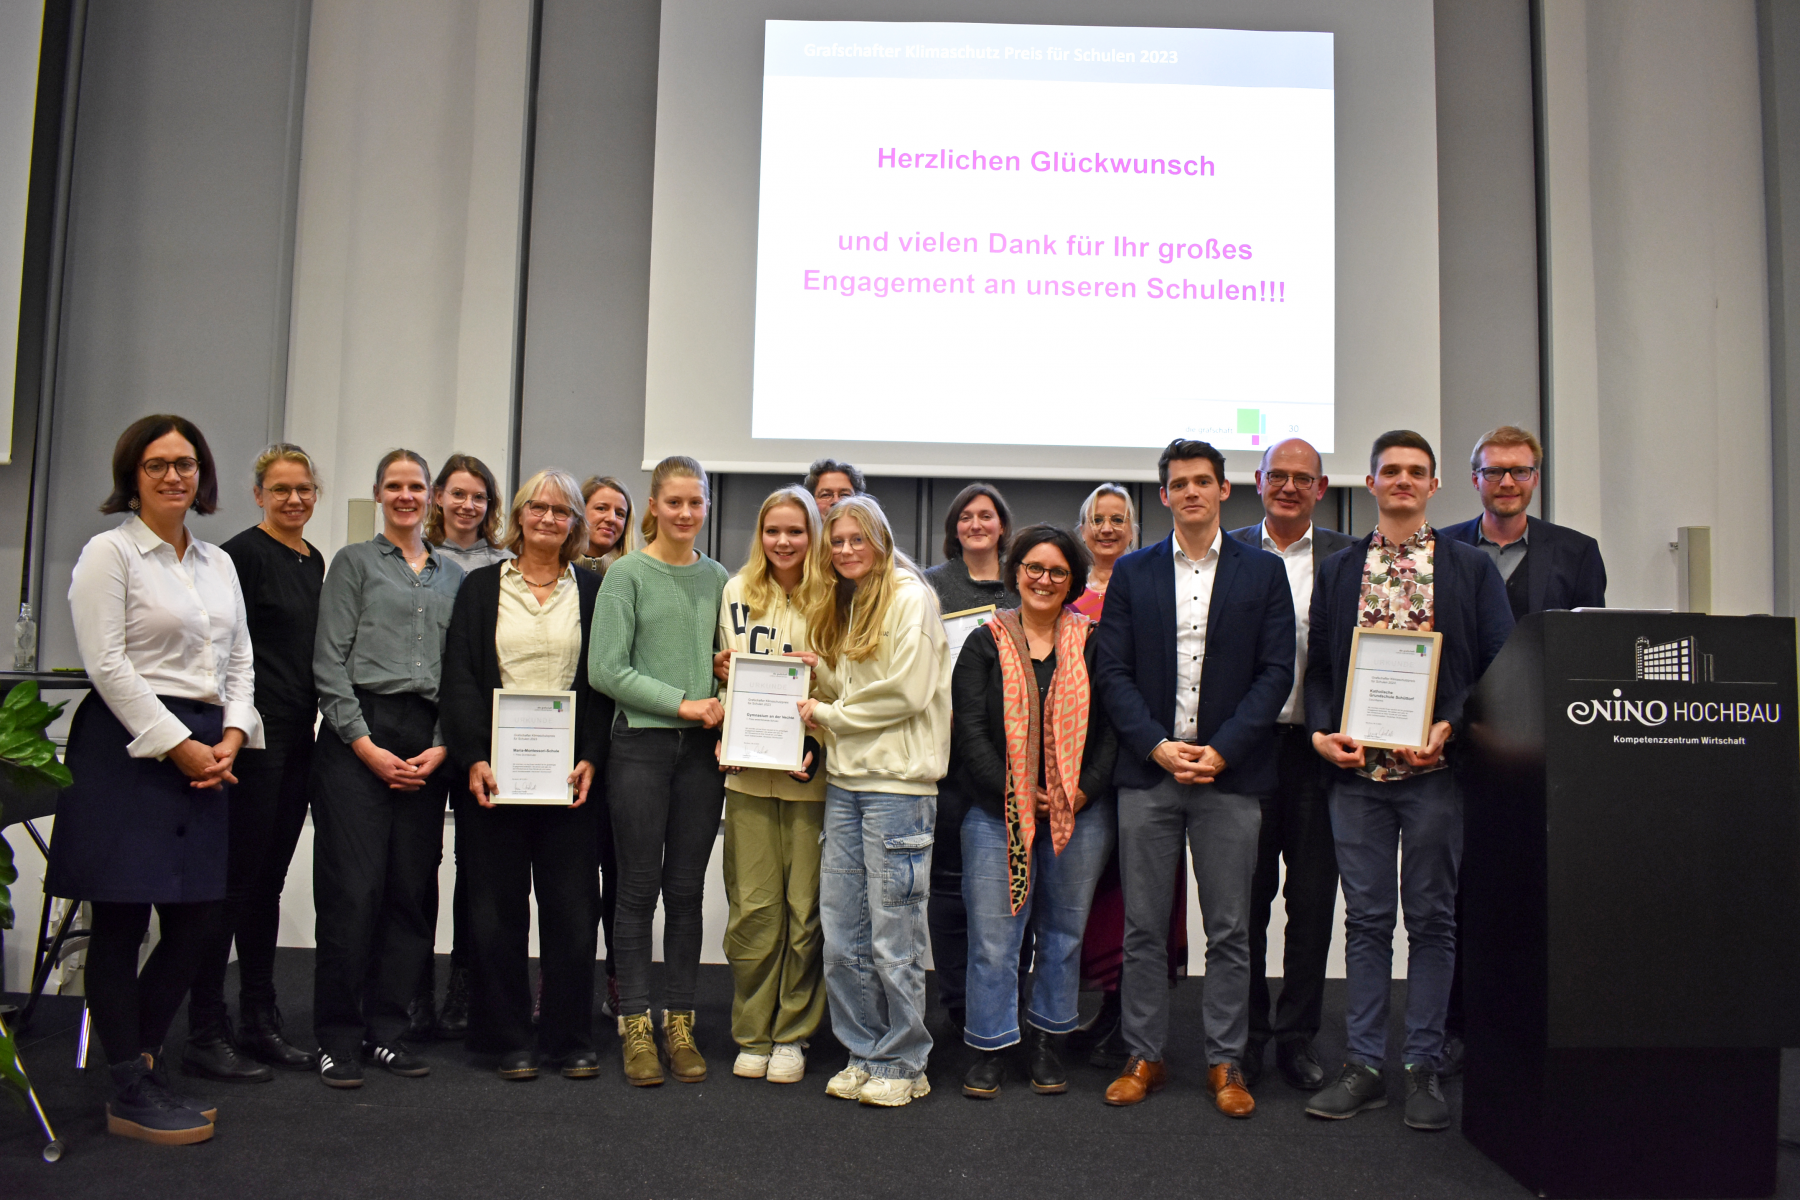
(1296, 822)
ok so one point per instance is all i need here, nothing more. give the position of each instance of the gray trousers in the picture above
(1222, 829)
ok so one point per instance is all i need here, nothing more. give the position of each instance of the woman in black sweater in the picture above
(524, 624)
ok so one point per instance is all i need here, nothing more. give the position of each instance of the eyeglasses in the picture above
(158, 468)
(1280, 479)
(283, 492)
(1496, 474)
(1116, 520)
(537, 510)
(853, 543)
(1036, 571)
(829, 494)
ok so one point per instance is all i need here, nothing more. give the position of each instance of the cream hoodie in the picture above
(889, 717)
(782, 630)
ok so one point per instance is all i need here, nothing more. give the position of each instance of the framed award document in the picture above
(534, 746)
(1392, 687)
(959, 625)
(762, 712)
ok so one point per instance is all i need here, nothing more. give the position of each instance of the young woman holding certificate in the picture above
(652, 652)
(883, 689)
(524, 624)
(773, 818)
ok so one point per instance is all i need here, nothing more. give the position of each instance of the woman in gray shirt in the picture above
(378, 792)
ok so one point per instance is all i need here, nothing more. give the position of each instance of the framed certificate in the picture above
(762, 712)
(1392, 687)
(959, 625)
(534, 746)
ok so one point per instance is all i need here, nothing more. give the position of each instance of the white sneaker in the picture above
(847, 1084)
(750, 1066)
(787, 1064)
(892, 1093)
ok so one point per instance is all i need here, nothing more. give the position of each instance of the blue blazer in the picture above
(1562, 568)
(1246, 674)
(1468, 607)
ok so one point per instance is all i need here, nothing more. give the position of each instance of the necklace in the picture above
(551, 582)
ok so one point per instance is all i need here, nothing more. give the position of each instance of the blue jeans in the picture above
(1062, 887)
(1419, 821)
(873, 881)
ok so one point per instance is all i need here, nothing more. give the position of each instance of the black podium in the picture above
(1631, 903)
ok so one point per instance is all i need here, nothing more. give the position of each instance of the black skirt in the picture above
(131, 830)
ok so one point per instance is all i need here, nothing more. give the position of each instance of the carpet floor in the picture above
(463, 1132)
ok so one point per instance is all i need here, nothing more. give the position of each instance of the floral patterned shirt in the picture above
(1397, 594)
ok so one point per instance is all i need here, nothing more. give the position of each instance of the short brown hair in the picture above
(1507, 435)
(1400, 437)
(1070, 546)
(1186, 450)
(128, 456)
(952, 543)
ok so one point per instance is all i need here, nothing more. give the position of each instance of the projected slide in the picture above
(1045, 235)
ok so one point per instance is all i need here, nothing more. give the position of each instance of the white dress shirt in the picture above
(1193, 601)
(539, 645)
(1298, 560)
(150, 624)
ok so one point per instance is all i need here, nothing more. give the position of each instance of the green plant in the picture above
(27, 762)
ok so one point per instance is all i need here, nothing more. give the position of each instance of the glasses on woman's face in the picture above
(851, 545)
(158, 468)
(537, 510)
(1116, 520)
(283, 492)
(1036, 571)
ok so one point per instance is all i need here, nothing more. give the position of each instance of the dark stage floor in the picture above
(462, 1132)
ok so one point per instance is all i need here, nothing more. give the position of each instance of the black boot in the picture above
(1043, 1052)
(985, 1077)
(259, 1036)
(1103, 1026)
(209, 1052)
(453, 1018)
(421, 1014)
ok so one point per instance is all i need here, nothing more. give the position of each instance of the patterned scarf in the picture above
(1028, 735)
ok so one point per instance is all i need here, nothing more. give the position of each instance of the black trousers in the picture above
(609, 866)
(947, 917)
(511, 851)
(132, 1009)
(268, 811)
(375, 857)
(1296, 826)
(666, 794)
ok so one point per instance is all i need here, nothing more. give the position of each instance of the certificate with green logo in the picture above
(762, 712)
(1392, 687)
(534, 746)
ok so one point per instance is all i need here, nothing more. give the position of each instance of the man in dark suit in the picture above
(1295, 822)
(1195, 659)
(1401, 576)
(1544, 565)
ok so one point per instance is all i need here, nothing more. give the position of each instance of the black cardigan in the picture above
(472, 672)
(978, 728)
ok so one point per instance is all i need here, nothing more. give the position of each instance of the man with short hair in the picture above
(1193, 663)
(828, 481)
(1399, 811)
(1296, 825)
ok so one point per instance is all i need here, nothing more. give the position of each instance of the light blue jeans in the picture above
(1062, 888)
(873, 883)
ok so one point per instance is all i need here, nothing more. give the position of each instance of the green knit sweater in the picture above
(652, 645)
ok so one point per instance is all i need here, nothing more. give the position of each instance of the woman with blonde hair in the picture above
(1108, 526)
(883, 697)
(524, 624)
(610, 536)
(773, 818)
(655, 623)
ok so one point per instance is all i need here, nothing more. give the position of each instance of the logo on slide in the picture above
(1679, 661)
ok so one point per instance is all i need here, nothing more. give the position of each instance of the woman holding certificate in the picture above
(773, 818)
(652, 651)
(883, 694)
(1034, 755)
(523, 625)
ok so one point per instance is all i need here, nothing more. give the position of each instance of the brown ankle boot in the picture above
(685, 1061)
(642, 1066)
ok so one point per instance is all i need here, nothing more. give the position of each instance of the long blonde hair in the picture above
(760, 588)
(844, 619)
(676, 466)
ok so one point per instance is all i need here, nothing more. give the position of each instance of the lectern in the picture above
(1631, 903)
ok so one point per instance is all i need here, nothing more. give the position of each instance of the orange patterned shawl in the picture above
(1028, 735)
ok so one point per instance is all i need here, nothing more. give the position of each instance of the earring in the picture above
(132, 504)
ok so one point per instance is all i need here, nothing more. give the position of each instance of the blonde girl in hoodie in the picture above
(882, 696)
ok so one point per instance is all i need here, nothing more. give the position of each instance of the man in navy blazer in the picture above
(1194, 661)
(1401, 576)
(1543, 565)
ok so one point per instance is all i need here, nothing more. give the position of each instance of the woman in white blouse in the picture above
(159, 620)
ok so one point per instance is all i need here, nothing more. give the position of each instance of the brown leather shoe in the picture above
(1226, 1083)
(1139, 1078)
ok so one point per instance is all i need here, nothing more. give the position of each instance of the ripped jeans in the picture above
(873, 883)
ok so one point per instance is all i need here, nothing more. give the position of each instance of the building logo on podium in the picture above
(1679, 661)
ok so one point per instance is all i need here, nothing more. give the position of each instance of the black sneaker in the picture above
(1357, 1087)
(1426, 1107)
(142, 1109)
(339, 1072)
(396, 1058)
